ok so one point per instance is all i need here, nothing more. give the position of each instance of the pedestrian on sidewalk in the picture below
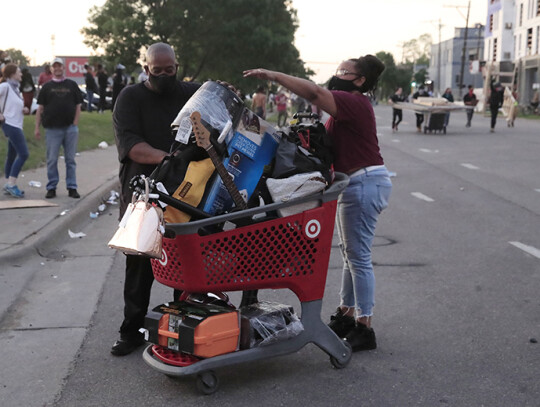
(12, 110)
(470, 100)
(59, 109)
(142, 117)
(397, 114)
(356, 150)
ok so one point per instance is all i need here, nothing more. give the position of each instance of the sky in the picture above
(329, 30)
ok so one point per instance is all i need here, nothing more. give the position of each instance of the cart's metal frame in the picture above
(315, 331)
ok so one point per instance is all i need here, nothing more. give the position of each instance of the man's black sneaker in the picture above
(361, 338)
(341, 324)
(73, 193)
(124, 347)
(51, 193)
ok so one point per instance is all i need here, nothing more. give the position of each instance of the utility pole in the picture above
(53, 39)
(463, 54)
(439, 53)
(439, 60)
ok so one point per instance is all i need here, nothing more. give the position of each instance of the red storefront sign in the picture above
(74, 66)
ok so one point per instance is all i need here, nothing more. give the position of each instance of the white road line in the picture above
(470, 166)
(533, 251)
(396, 140)
(421, 196)
(537, 189)
(427, 150)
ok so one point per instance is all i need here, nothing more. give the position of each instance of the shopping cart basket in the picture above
(259, 252)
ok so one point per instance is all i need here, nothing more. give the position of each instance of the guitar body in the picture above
(191, 190)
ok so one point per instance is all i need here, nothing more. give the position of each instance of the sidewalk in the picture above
(25, 230)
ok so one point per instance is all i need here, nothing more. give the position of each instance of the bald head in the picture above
(159, 50)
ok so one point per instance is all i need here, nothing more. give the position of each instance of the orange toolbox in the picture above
(203, 330)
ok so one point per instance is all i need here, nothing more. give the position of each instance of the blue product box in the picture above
(250, 149)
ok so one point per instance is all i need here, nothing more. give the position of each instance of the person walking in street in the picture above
(259, 102)
(448, 96)
(397, 114)
(470, 100)
(91, 87)
(59, 108)
(103, 83)
(495, 102)
(142, 117)
(28, 89)
(12, 110)
(421, 92)
(356, 150)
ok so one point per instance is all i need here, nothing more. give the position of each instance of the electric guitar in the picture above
(202, 137)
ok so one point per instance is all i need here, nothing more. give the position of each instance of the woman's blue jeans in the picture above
(358, 209)
(17, 151)
(67, 137)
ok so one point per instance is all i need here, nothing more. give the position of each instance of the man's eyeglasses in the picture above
(342, 72)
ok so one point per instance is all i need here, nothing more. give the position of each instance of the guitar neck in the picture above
(226, 178)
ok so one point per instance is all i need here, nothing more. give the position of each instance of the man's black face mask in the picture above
(163, 84)
(342, 84)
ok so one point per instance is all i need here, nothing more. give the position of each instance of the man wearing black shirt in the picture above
(59, 109)
(470, 100)
(496, 98)
(142, 117)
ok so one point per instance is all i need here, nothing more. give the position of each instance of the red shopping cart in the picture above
(260, 251)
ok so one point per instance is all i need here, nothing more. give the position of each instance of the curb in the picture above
(55, 231)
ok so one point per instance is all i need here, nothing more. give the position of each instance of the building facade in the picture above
(446, 60)
(512, 45)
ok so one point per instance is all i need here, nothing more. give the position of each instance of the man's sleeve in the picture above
(127, 125)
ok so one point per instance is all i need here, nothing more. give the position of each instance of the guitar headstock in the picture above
(202, 135)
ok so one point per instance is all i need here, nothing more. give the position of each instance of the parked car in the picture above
(95, 102)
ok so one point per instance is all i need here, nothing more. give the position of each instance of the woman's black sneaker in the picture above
(341, 324)
(361, 338)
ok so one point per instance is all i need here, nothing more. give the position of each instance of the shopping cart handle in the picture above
(184, 207)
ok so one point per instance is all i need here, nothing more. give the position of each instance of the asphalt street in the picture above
(457, 262)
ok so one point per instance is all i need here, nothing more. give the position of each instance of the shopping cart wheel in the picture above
(347, 357)
(207, 382)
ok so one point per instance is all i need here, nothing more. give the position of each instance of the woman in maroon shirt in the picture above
(356, 153)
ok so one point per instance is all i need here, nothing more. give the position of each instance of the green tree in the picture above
(393, 76)
(212, 39)
(17, 57)
(417, 49)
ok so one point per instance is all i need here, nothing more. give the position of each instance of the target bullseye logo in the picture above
(163, 260)
(313, 228)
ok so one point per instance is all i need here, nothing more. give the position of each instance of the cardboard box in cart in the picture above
(252, 147)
